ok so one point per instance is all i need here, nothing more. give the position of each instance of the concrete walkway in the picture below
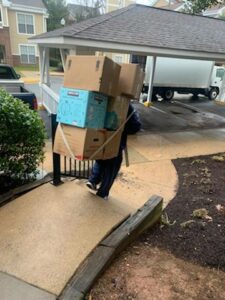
(46, 233)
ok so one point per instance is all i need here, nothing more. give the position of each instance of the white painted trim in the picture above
(19, 7)
(6, 3)
(68, 43)
(17, 24)
(44, 24)
(7, 17)
(1, 12)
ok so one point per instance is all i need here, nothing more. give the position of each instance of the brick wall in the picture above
(17, 62)
(5, 41)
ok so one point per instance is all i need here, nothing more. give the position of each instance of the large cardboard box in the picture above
(82, 108)
(111, 149)
(82, 142)
(116, 113)
(99, 74)
(131, 80)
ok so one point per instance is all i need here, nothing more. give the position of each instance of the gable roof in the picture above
(30, 3)
(146, 28)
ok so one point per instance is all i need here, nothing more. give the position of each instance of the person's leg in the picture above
(96, 174)
(111, 169)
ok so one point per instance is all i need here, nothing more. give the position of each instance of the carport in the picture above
(139, 30)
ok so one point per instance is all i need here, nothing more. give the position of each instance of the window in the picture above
(25, 23)
(1, 20)
(27, 54)
(220, 73)
(118, 59)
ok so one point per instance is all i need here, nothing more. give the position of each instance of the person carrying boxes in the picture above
(104, 172)
(95, 115)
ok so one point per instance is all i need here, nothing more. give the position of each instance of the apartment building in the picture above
(19, 20)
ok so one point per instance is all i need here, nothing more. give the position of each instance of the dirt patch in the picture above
(183, 257)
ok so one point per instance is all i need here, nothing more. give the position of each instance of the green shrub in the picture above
(54, 62)
(22, 137)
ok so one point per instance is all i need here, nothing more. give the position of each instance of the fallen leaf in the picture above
(220, 208)
(198, 161)
(200, 213)
(187, 224)
(218, 158)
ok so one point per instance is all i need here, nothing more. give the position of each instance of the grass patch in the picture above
(20, 69)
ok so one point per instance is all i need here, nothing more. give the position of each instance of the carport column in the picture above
(44, 65)
(47, 63)
(41, 67)
(150, 84)
(41, 63)
(63, 57)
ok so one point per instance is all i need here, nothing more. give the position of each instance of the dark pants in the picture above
(105, 172)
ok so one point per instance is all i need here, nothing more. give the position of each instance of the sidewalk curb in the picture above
(96, 263)
(41, 107)
(218, 102)
(28, 80)
(24, 188)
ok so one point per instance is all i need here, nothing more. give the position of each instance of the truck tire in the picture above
(195, 95)
(168, 95)
(213, 93)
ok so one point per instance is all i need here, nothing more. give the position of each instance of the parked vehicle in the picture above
(11, 82)
(184, 76)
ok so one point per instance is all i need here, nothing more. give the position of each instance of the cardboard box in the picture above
(131, 80)
(116, 113)
(99, 74)
(82, 142)
(112, 148)
(82, 108)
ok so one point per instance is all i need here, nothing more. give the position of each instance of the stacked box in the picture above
(93, 106)
(97, 74)
(84, 142)
(131, 81)
(82, 108)
(116, 113)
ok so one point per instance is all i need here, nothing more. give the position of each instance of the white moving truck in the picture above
(184, 76)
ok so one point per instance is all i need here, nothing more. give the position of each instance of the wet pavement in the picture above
(183, 113)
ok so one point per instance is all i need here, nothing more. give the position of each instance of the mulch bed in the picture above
(183, 256)
(200, 239)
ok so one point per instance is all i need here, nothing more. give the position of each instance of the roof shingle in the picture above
(149, 26)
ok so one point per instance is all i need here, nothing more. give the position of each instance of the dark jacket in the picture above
(132, 126)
